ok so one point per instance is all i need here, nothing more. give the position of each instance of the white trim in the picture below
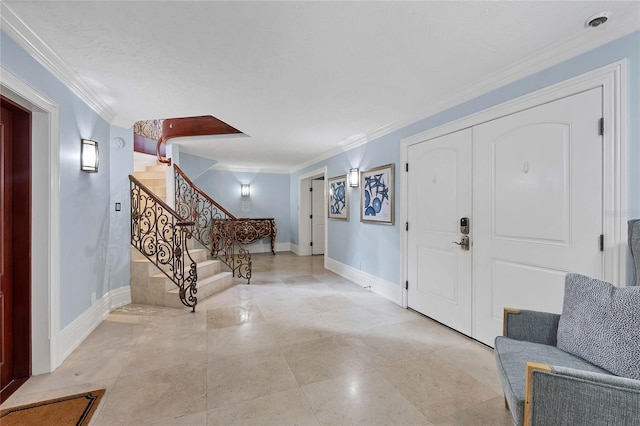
(262, 247)
(241, 169)
(120, 297)
(582, 42)
(20, 32)
(304, 229)
(295, 249)
(75, 333)
(49, 269)
(613, 80)
(386, 289)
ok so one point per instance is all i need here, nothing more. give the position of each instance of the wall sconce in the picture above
(89, 153)
(244, 189)
(354, 178)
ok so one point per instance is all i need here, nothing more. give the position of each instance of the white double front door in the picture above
(530, 185)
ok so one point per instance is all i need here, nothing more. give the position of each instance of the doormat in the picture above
(67, 410)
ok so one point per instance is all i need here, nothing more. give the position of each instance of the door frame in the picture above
(45, 220)
(304, 210)
(613, 80)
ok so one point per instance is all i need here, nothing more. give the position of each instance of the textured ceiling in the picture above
(302, 78)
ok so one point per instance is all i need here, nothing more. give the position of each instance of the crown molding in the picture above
(242, 169)
(584, 41)
(20, 32)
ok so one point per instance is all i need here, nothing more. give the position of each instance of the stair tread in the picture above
(199, 265)
(204, 281)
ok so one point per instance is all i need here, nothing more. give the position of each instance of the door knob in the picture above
(464, 243)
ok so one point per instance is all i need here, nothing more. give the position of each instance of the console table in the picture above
(247, 231)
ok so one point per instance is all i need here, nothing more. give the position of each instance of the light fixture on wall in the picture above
(89, 156)
(244, 189)
(354, 178)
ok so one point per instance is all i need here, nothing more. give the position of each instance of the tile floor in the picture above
(300, 345)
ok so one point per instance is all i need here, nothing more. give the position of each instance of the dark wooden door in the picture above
(15, 246)
(6, 282)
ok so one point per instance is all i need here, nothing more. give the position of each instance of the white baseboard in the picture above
(266, 247)
(295, 248)
(74, 334)
(384, 288)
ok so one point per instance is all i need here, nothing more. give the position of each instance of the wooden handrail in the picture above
(204, 125)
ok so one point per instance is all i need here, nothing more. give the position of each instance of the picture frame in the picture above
(377, 195)
(338, 199)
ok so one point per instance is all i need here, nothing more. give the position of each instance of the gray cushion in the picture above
(601, 323)
(512, 357)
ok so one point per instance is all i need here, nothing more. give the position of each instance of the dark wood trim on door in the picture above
(16, 222)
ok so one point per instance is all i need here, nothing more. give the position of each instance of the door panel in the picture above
(531, 182)
(317, 213)
(6, 281)
(439, 189)
(537, 188)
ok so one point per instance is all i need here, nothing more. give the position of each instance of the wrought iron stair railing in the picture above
(214, 227)
(161, 235)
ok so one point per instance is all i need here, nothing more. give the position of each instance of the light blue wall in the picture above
(193, 165)
(376, 248)
(119, 254)
(84, 197)
(269, 195)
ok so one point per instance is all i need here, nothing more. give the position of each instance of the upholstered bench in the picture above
(578, 368)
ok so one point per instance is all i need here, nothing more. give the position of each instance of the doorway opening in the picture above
(305, 220)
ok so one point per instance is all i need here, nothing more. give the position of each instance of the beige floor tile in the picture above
(166, 352)
(168, 336)
(233, 315)
(333, 302)
(283, 408)
(21, 397)
(300, 280)
(360, 398)
(477, 360)
(383, 345)
(240, 339)
(430, 333)
(156, 396)
(486, 413)
(351, 320)
(359, 358)
(437, 388)
(197, 419)
(287, 307)
(88, 365)
(242, 377)
(322, 359)
(239, 294)
(113, 331)
(301, 329)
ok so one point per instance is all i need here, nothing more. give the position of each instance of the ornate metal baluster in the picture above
(214, 226)
(161, 236)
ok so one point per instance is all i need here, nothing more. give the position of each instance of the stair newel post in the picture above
(189, 279)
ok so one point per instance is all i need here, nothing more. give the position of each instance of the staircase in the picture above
(149, 283)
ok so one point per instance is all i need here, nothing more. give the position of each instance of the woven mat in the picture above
(67, 410)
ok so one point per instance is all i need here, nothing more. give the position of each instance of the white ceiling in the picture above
(303, 79)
